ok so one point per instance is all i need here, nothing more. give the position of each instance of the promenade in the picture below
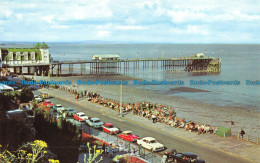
(230, 146)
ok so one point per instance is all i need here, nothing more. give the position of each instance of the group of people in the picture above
(154, 112)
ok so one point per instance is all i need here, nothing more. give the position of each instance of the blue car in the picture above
(94, 122)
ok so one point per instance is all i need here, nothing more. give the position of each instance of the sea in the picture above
(240, 62)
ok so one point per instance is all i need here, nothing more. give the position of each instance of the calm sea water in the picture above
(239, 62)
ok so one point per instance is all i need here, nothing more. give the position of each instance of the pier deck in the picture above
(188, 64)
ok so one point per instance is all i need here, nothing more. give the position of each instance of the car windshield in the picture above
(129, 133)
(47, 102)
(96, 121)
(153, 141)
(112, 126)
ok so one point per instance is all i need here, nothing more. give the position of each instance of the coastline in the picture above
(186, 108)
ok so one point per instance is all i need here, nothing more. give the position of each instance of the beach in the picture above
(190, 109)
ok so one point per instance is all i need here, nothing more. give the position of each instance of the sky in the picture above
(144, 21)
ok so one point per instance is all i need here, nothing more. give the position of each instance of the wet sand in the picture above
(186, 108)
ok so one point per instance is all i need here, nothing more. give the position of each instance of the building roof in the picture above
(127, 132)
(21, 50)
(5, 87)
(149, 138)
(94, 119)
(109, 124)
(105, 55)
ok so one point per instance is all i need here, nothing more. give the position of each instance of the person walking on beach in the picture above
(76, 97)
(154, 118)
(242, 133)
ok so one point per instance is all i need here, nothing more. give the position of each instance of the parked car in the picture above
(80, 116)
(151, 144)
(70, 112)
(110, 128)
(47, 103)
(18, 115)
(44, 95)
(187, 157)
(127, 135)
(58, 108)
(94, 122)
(37, 98)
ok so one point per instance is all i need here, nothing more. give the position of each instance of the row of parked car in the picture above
(149, 143)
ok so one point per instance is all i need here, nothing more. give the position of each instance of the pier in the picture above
(83, 67)
(38, 61)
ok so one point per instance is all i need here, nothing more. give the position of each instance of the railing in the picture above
(252, 139)
(21, 62)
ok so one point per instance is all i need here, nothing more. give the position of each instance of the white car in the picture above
(151, 144)
(80, 116)
(37, 98)
(110, 128)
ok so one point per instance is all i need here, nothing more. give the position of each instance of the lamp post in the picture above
(121, 97)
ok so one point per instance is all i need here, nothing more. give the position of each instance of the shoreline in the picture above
(185, 108)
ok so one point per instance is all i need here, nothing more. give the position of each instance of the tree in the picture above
(26, 95)
(30, 152)
(14, 133)
(4, 105)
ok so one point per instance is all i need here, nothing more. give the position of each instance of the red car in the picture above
(127, 135)
(47, 103)
(110, 128)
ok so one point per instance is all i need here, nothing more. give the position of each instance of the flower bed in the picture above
(128, 159)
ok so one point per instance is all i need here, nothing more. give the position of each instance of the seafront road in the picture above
(211, 148)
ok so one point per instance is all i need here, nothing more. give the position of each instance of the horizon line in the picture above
(126, 42)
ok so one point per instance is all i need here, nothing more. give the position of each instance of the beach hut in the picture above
(223, 131)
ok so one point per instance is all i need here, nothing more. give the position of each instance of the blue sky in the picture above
(160, 21)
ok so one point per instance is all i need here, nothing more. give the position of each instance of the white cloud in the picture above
(103, 34)
(191, 29)
(48, 18)
(110, 26)
(130, 19)
(60, 27)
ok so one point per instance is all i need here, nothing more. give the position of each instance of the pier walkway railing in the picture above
(252, 139)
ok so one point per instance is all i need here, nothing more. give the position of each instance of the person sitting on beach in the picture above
(201, 129)
(211, 130)
(181, 125)
(206, 129)
(176, 123)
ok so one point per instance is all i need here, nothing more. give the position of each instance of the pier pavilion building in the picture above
(37, 59)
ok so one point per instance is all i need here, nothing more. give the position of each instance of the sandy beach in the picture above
(186, 108)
